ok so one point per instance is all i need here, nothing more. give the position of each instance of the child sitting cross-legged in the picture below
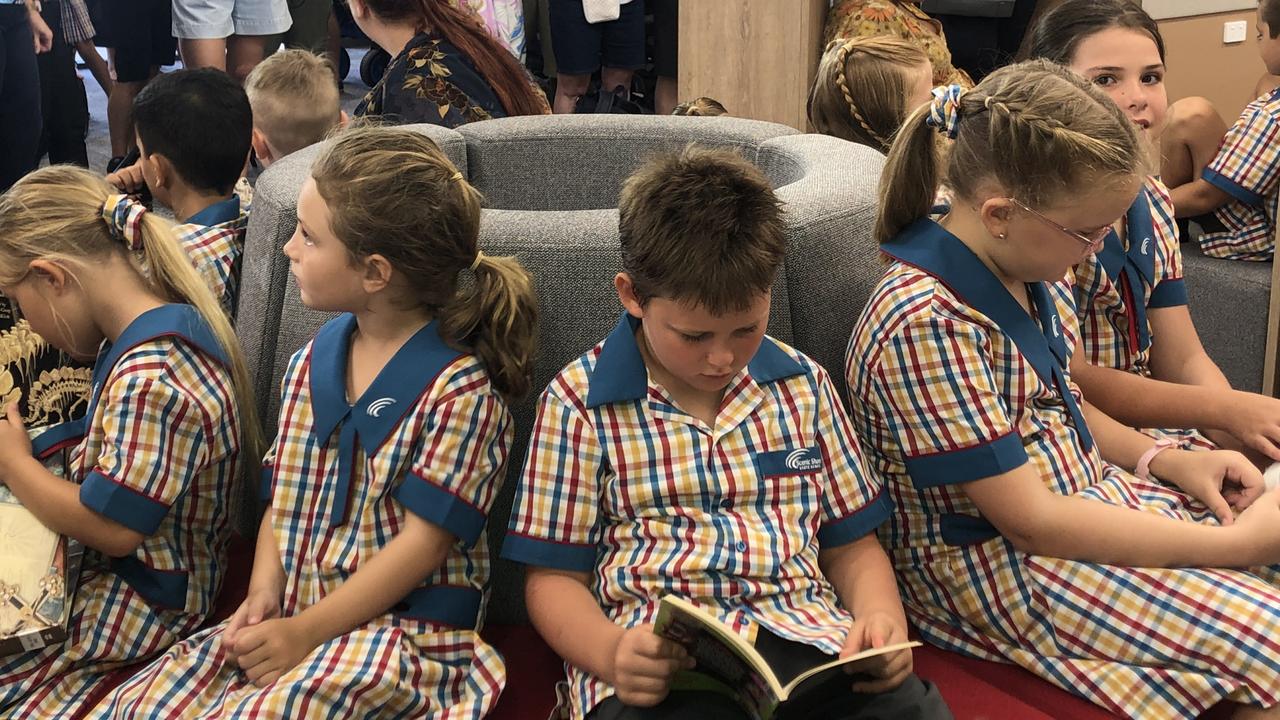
(658, 465)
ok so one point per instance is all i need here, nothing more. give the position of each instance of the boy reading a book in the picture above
(690, 454)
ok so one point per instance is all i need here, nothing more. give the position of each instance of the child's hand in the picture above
(272, 647)
(1255, 421)
(257, 606)
(1223, 480)
(875, 630)
(643, 664)
(128, 179)
(15, 445)
(1259, 529)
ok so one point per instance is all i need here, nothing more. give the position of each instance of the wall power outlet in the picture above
(1234, 32)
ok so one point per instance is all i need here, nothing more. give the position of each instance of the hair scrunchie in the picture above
(944, 110)
(123, 216)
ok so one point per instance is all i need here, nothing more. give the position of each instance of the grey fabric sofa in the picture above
(551, 187)
(1229, 301)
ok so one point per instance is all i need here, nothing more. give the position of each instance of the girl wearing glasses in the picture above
(1130, 296)
(1020, 533)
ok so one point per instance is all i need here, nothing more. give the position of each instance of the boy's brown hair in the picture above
(701, 226)
(294, 95)
(1269, 11)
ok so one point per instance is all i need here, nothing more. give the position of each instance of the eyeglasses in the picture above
(1092, 241)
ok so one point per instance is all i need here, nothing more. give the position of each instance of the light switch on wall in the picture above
(1234, 32)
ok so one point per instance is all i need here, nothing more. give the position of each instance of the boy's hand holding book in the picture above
(875, 630)
(643, 664)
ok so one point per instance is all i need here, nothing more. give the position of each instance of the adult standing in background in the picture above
(584, 43)
(139, 36)
(445, 69)
(985, 34)
(22, 34)
(228, 35)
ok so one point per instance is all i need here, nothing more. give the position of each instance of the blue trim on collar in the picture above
(174, 320)
(1137, 263)
(381, 408)
(218, 213)
(928, 246)
(620, 374)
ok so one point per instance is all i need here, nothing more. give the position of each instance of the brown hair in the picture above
(700, 107)
(294, 95)
(428, 230)
(1060, 30)
(464, 31)
(1270, 12)
(860, 91)
(701, 225)
(55, 213)
(1038, 129)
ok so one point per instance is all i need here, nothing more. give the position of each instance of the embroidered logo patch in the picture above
(789, 462)
(1146, 244)
(1055, 327)
(377, 406)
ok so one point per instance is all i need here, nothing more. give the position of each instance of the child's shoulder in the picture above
(1265, 110)
(909, 296)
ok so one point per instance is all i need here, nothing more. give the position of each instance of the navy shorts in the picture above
(140, 32)
(581, 47)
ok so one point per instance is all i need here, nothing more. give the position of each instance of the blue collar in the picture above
(220, 212)
(928, 246)
(381, 408)
(620, 374)
(1137, 263)
(175, 320)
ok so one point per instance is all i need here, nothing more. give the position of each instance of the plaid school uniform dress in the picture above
(951, 381)
(159, 457)
(1116, 287)
(428, 437)
(1246, 168)
(623, 484)
(214, 239)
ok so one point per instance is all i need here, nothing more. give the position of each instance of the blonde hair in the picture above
(295, 101)
(860, 90)
(56, 213)
(428, 230)
(1036, 128)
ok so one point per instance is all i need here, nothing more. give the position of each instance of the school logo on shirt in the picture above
(1146, 245)
(1054, 327)
(800, 461)
(377, 406)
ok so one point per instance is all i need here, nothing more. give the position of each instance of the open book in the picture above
(728, 664)
(38, 573)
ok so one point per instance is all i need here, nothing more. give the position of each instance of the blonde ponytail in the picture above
(59, 213)
(497, 317)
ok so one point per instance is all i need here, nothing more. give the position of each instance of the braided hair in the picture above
(860, 92)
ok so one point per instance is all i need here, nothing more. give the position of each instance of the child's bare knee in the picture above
(1194, 115)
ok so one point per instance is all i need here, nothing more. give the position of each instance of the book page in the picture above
(853, 665)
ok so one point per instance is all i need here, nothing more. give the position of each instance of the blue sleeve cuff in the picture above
(57, 437)
(122, 504)
(265, 486)
(1170, 293)
(967, 464)
(1232, 188)
(441, 507)
(548, 553)
(865, 520)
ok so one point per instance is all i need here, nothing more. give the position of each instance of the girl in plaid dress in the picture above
(168, 416)
(1132, 574)
(1130, 296)
(368, 585)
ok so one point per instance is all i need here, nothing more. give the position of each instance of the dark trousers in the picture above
(19, 96)
(914, 699)
(981, 44)
(63, 102)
